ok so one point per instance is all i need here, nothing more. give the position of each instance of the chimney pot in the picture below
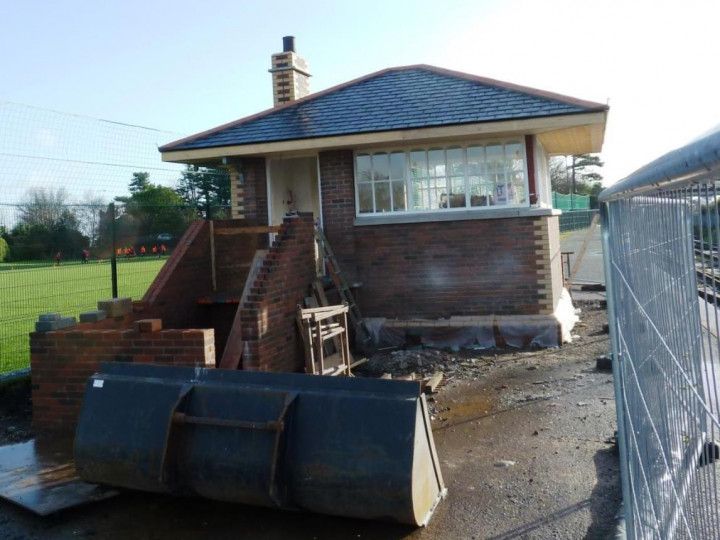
(289, 44)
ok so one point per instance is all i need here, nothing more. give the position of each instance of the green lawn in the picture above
(30, 288)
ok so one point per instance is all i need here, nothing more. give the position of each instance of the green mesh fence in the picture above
(570, 202)
(77, 190)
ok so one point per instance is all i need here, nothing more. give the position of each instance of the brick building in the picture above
(432, 186)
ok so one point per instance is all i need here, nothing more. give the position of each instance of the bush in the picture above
(4, 250)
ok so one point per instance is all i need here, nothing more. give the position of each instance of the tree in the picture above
(579, 177)
(4, 250)
(43, 207)
(149, 210)
(140, 182)
(46, 225)
(88, 215)
(206, 190)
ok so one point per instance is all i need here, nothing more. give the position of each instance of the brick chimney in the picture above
(290, 76)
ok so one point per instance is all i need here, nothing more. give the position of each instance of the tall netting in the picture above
(76, 192)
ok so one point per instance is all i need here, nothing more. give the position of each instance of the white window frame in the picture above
(409, 211)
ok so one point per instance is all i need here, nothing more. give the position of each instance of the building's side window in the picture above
(441, 179)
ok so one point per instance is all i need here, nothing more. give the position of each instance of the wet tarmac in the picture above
(525, 449)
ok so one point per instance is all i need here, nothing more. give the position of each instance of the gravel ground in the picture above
(524, 439)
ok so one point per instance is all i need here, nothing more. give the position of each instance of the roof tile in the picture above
(401, 98)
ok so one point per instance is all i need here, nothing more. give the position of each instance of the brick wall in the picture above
(187, 276)
(248, 191)
(234, 254)
(338, 207)
(169, 298)
(268, 315)
(451, 268)
(61, 362)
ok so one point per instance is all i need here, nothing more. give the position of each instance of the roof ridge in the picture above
(546, 94)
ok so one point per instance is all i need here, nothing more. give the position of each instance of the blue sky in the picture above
(185, 66)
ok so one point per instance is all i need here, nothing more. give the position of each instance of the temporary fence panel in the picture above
(660, 232)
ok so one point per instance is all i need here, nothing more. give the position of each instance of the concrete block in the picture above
(49, 317)
(67, 322)
(57, 324)
(116, 307)
(93, 316)
(45, 326)
(148, 325)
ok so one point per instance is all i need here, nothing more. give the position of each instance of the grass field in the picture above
(30, 288)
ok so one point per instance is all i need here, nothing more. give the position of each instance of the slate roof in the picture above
(393, 99)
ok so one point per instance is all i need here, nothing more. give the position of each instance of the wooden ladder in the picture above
(342, 286)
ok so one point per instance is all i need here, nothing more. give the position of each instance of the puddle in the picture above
(476, 406)
(40, 476)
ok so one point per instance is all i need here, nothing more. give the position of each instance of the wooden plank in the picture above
(430, 386)
(360, 362)
(247, 230)
(319, 289)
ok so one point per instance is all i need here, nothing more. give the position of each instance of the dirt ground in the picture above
(524, 439)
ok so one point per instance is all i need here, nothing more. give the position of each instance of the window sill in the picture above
(495, 213)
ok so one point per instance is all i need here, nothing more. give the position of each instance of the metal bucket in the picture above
(349, 447)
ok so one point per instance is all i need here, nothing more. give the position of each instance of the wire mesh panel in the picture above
(572, 220)
(78, 192)
(661, 254)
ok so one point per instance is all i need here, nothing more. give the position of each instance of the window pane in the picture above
(365, 202)
(495, 160)
(457, 190)
(398, 193)
(476, 158)
(418, 164)
(381, 167)
(420, 195)
(455, 161)
(397, 165)
(382, 197)
(363, 168)
(437, 162)
(516, 172)
(514, 153)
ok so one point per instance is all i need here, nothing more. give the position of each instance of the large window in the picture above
(441, 179)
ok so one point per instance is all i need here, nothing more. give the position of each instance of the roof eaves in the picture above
(513, 118)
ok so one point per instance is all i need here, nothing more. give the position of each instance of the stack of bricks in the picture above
(268, 314)
(62, 360)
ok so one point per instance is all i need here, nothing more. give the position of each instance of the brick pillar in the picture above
(338, 207)
(248, 185)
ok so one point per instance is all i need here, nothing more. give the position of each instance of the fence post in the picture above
(617, 368)
(113, 259)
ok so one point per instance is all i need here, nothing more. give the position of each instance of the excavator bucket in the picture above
(356, 447)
